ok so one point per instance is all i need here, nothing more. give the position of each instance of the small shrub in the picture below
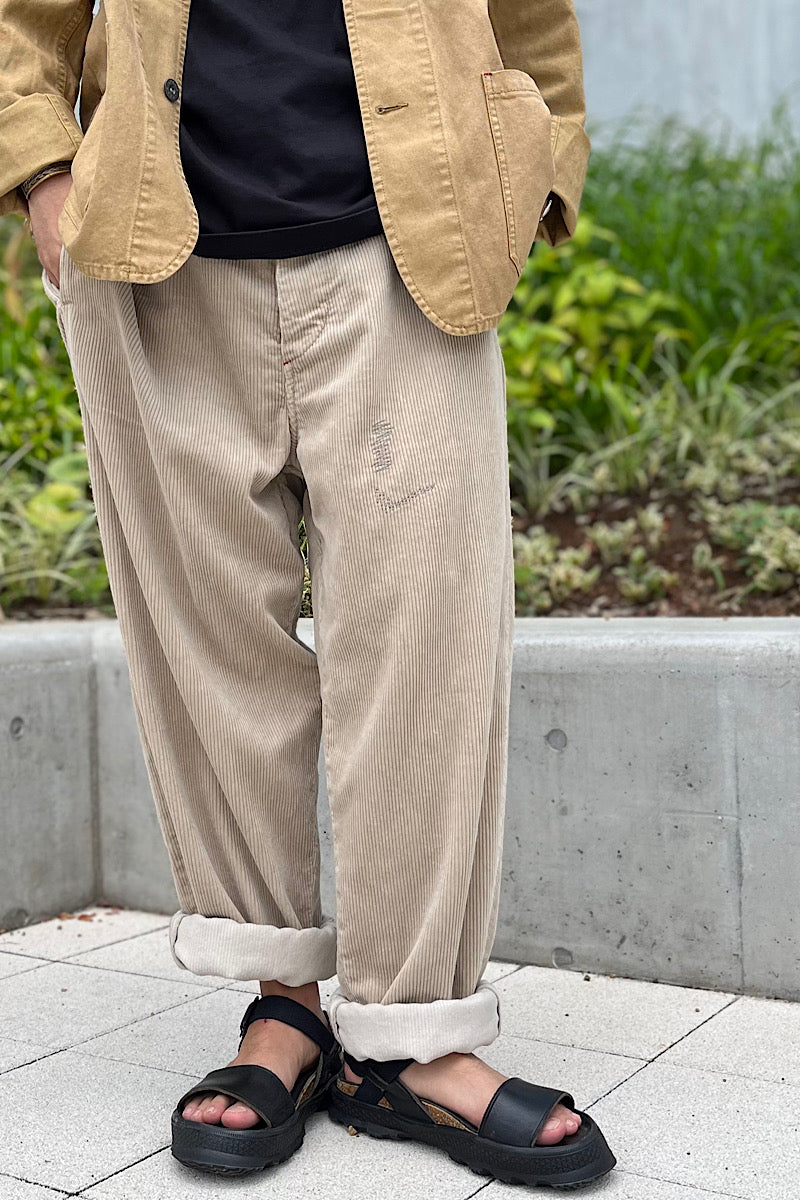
(704, 562)
(50, 552)
(614, 542)
(767, 537)
(546, 573)
(641, 580)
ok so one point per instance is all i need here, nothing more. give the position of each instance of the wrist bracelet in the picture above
(54, 168)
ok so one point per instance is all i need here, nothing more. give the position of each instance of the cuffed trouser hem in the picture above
(243, 950)
(419, 1031)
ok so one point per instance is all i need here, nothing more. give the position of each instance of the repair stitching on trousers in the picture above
(389, 504)
(381, 437)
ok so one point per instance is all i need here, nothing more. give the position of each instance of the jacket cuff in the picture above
(34, 130)
(571, 148)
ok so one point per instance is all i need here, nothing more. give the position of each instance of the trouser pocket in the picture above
(56, 294)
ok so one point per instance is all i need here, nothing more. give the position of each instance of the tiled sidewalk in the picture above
(698, 1092)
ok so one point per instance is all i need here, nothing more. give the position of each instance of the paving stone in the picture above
(498, 970)
(148, 954)
(624, 1016)
(15, 964)
(18, 1189)
(618, 1185)
(193, 1039)
(61, 1004)
(586, 1074)
(78, 1119)
(703, 1129)
(57, 939)
(753, 1037)
(14, 1054)
(331, 1165)
(720, 1079)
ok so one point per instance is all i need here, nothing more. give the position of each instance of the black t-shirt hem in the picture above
(291, 240)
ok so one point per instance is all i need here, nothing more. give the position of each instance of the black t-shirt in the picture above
(271, 138)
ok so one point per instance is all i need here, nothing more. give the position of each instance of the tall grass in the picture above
(714, 222)
(668, 326)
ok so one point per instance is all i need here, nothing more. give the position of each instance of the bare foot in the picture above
(465, 1084)
(267, 1043)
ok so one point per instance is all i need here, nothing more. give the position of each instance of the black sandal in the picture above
(283, 1113)
(503, 1147)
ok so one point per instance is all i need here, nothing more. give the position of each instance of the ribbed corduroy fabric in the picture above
(220, 405)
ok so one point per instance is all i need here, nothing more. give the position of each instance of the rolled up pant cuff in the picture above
(419, 1031)
(243, 950)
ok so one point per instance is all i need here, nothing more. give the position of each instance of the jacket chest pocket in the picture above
(521, 126)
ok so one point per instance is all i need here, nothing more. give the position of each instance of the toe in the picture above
(192, 1109)
(552, 1132)
(213, 1107)
(239, 1116)
(561, 1122)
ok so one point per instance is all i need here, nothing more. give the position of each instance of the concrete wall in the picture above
(48, 858)
(712, 60)
(653, 822)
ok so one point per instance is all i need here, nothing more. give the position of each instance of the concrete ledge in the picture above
(653, 801)
(653, 794)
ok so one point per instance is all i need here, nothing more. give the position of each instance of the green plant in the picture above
(50, 549)
(648, 342)
(704, 562)
(577, 333)
(546, 573)
(766, 537)
(640, 579)
(39, 411)
(711, 219)
(614, 542)
(306, 604)
(775, 560)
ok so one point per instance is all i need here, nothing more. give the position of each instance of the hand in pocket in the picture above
(44, 205)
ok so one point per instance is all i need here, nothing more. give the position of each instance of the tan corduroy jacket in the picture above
(463, 145)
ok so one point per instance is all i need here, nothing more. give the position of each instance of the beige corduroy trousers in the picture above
(221, 405)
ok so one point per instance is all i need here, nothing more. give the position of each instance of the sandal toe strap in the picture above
(518, 1111)
(257, 1087)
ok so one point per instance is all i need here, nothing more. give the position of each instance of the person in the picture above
(279, 239)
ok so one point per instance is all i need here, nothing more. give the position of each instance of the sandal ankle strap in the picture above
(290, 1012)
(386, 1071)
(382, 1080)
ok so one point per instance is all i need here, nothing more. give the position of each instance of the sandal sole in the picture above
(567, 1165)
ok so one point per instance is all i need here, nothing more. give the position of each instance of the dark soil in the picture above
(693, 596)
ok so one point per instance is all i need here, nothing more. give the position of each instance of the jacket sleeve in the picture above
(542, 38)
(41, 55)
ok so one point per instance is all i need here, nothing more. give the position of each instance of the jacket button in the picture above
(171, 89)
